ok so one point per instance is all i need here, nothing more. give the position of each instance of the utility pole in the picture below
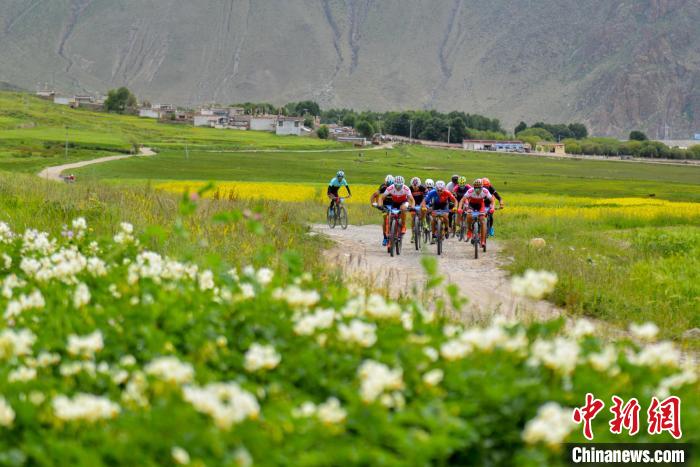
(448, 133)
(66, 152)
(410, 131)
(187, 152)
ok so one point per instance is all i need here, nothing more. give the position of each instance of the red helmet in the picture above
(486, 182)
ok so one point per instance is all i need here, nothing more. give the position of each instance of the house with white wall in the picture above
(263, 123)
(289, 126)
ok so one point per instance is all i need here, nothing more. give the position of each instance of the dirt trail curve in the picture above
(359, 253)
(54, 173)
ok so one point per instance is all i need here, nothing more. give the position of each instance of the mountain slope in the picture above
(614, 65)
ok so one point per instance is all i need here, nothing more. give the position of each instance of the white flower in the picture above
(127, 360)
(80, 226)
(96, 266)
(306, 410)
(379, 308)
(407, 321)
(247, 292)
(331, 412)
(7, 415)
(206, 280)
(431, 353)
(261, 357)
(552, 425)
(38, 242)
(6, 234)
(11, 282)
(644, 332)
(46, 359)
(120, 377)
(376, 378)
(85, 407)
(36, 397)
(455, 349)
(21, 374)
(659, 354)
(534, 284)
(125, 234)
(433, 377)
(582, 327)
(16, 343)
(603, 360)
(85, 346)
(7, 261)
(24, 302)
(170, 369)
(242, 458)
(560, 354)
(306, 324)
(180, 456)
(264, 276)
(81, 296)
(358, 332)
(226, 403)
(687, 376)
(296, 297)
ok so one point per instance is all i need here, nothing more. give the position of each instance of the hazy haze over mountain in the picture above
(615, 65)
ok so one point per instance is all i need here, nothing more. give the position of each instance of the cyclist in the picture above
(487, 202)
(429, 185)
(459, 191)
(401, 198)
(388, 181)
(453, 183)
(418, 191)
(438, 200)
(334, 186)
(474, 201)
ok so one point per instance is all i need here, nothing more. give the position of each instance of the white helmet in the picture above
(429, 183)
(440, 185)
(398, 181)
(389, 179)
(415, 181)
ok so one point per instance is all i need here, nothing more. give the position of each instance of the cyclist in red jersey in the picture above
(474, 201)
(401, 198)
(388, 181)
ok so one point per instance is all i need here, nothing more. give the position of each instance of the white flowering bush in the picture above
(112, 354)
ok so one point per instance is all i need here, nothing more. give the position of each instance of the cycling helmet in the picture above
(389, 179)
(398, 181)
(340, 174)
(415, 181)
(455, 178)
(440, 185)
(429, 183)
(486, 182)
(462, 181)
(477, 183)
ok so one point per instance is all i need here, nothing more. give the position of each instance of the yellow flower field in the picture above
(517, 203)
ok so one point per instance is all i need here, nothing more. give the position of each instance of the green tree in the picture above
(322, 132)
(349, 119)
(637, 135)
(579, 130)
(119, 100)
(539, 132)
(521, 126)
(309, 122)
(365, 128)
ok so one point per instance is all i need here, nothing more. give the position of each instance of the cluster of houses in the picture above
(236, 119)
(85, 101)
(512, 146)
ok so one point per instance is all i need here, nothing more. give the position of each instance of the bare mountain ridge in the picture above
(614, 65)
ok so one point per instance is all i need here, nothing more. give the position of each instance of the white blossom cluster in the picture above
(171, 370)
(305, 324)
(656, 355)
(483, 339)
(226, 403)
(150, 265)
(86, 407)
(33, 301)
(534, 284)
(297, 297)
(330, 412)
(688, 375)
(16, 343)
(379, 308)
(85, 346)
(125, 234)
(358, 332)
(551, 426)
(261, 357)
(433, 377)
(645, 332)
(6, 233)
(377, 379)
(560, 354)
(81, 295)
(7, 415)
(34, 241)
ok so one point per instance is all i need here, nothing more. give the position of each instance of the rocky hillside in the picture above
(614, 65)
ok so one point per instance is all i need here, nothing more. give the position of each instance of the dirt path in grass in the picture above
(359, 253)
(54, 173)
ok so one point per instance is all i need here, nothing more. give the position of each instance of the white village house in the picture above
(263, 122)
(289, 126)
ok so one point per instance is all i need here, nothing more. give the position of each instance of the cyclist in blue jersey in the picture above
(334, 186)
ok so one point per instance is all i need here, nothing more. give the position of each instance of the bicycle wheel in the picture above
(476, 235)
(397, 237)
(439, 236)
(343, 217)
(392, 239)
(417, 233)
(331, 217)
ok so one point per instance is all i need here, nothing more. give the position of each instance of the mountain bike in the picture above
(441, 227)
(417, 228)
(338, 214)
(462, 228)
(395, 227)
(476, 234)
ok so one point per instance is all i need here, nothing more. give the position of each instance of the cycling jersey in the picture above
(476, 200)
(398, 195)
(439, 200)
(494, 193)
(418, 193)
(460, 191)
(335, 184)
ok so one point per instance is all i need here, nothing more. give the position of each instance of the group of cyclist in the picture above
(452, 202)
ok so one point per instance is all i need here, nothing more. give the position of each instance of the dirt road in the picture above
(54, 173)
(360, 254)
